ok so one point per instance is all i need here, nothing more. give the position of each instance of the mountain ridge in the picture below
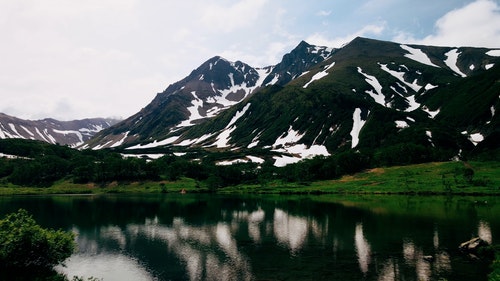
(341, 103)
(72, 133)
(318, 101)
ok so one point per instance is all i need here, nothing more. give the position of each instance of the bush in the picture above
(26, 245)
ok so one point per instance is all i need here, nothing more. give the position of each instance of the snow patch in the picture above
(28, 131)
(308, 152)
(225, 135)
(255, 159)
(372, 80)
(429, 86)
(493, 53)
(400, 124)
(284, 160)
(194, 113)
(150, 156)
(319, 75)
(291, 136)
(120, 142)
(400, 76)
(476, 138)
(358, 124)
(417, 55)
(247, 159)
(412, 104)
(431, 113)
(451, 61)
(429, 135)
(13, 128)
(155, 143)
(77, 133)
(488, 66)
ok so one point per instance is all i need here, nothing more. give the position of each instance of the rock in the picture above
(476, 249)
(473, 245)
(428, 258)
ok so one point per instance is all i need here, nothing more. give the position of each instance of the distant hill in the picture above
(71, 133)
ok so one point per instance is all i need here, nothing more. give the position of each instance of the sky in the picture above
(69, 59)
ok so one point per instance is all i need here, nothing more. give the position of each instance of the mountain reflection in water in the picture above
(239, 238)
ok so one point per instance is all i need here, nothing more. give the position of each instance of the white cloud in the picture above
(227, 18)
(324, 13)
(110, 57)
(337, 42)
(476, 24)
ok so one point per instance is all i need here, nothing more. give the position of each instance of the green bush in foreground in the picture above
(495, 274)
(24, 245)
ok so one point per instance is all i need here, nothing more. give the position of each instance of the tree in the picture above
(24, 245)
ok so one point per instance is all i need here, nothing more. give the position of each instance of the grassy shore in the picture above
(425, 179)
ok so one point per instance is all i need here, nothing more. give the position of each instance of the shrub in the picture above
(26, 245)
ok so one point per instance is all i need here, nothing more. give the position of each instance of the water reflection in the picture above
(484, 231)
(239, 239)
(106, 266)
(290, 230)
(362, 248)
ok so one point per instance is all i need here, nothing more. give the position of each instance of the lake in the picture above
(271, 237)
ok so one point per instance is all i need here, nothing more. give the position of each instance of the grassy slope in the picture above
(429, 178)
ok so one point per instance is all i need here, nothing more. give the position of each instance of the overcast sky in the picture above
(70, 59)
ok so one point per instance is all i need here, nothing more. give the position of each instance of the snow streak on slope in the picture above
(155, 143)
(493, 53)
(291, 136)
(193, 110)
(288, 143)
(430, 112)
(319, 75)
(401, 124)
(451, 61)
(358, 124)
(400, 76)
(225, 135)
(76, 133)
(372, 80)
(417, 55)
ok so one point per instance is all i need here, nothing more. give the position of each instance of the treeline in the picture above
(43, 164)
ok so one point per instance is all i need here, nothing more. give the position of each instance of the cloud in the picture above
(228, 18)
(476, 25)
(337, 42)
(324, 13)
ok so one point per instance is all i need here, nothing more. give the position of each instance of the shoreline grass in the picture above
(437, 178)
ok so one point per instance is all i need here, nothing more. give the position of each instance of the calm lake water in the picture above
(207, 237)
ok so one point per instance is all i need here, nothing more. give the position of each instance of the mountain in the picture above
(71, 133)
(369, 94)
(215, 86)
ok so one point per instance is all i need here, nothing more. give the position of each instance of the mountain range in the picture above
(72, 133)
(367, 95)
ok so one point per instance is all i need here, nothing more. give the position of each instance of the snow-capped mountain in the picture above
(215, 86)
(318, 101)
(71, 133)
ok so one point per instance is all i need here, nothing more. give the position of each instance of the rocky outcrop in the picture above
(476, 248)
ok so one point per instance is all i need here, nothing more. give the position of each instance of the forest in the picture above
(39, 164)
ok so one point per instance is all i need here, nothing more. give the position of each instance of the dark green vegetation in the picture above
(323, 111)
(495, 274)
(28, 251)
(67, 170)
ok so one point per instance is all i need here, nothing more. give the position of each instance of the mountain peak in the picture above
(303, 44)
